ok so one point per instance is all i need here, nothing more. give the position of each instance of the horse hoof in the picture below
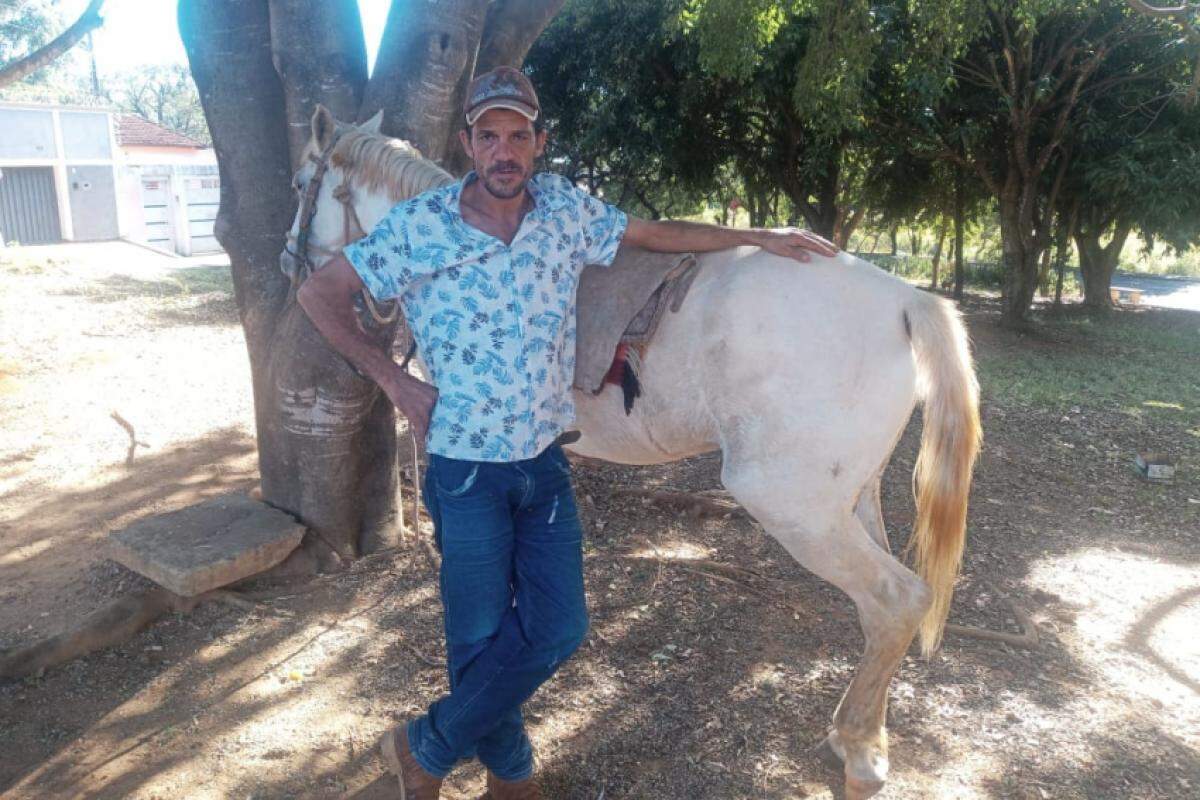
(858, 789)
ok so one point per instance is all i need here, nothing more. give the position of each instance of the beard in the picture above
(504, 180)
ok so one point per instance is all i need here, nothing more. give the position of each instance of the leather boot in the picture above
(497, 789)
(415, 782)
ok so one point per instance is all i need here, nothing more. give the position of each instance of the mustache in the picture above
(504, 165)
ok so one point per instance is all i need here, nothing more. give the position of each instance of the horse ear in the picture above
(323, 124)
(373, 124)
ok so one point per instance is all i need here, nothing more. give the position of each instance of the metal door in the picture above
(28, 206)
(203, 200)
(156, 196)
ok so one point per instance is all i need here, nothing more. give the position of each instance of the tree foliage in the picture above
(162, 94)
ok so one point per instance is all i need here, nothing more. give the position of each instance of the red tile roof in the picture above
(134, 131)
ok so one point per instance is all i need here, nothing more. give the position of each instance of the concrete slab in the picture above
(208, 545)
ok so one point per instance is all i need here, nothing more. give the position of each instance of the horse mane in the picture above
(382, 164)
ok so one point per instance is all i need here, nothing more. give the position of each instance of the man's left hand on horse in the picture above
(671, 236)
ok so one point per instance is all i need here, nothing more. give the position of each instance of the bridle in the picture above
(298, 246)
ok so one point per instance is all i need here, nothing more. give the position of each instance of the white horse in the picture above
(803, 376)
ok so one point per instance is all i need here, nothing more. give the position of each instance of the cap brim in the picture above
(525, 110)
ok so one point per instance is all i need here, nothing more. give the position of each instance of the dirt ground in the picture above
(695, 682)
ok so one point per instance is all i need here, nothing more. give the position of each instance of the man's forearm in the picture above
(677, 236)
(338, 323)
(672, 236)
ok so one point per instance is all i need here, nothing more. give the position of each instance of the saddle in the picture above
(618, 309)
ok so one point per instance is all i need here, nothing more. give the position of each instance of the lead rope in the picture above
(351, 224)
(416, 500)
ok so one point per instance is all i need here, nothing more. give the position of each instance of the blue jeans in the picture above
(512, 592)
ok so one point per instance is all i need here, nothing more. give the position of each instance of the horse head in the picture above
(349, 177)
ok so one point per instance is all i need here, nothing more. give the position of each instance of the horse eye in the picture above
(297, 183)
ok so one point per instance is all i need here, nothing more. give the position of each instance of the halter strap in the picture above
(352, 229)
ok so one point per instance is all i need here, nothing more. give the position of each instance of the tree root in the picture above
(695, 505)
(107, 627)
(1028, 638)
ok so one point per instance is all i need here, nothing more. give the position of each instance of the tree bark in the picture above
(320, 55)
(1020, 253)
(1066, 224)
(1098, 263)
(510, 29)
(88, 21)
(325, 435)
(421, 75)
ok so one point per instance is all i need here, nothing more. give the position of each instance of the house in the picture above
(78, 174)
(170, 187)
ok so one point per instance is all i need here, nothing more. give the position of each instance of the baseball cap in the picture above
(503, 87)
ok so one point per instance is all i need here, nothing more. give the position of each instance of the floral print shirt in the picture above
(494, 323)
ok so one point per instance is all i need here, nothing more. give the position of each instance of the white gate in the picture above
(202, 198)
(156, 212)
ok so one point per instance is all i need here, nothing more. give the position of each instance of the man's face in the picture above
(503, 146)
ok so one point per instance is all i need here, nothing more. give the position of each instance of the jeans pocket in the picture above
(452, 477)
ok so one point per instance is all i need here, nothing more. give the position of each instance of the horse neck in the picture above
(373, 204)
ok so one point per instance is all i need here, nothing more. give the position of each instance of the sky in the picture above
(144, 32)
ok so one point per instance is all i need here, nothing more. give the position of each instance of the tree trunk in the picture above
(847, 225)
(1043, 279)
(421, 76)
(1098, 263)
(325, 436)
(1021, 247)
(1063, 241)
(320, 55)
(937, 253)
(1020, 261)
(959, 223)
(510, 30)
(88, 21)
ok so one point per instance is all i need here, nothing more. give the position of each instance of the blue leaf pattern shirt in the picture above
(494, 323)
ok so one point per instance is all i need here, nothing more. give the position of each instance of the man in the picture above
(486, 271)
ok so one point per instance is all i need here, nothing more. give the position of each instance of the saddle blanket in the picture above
(621, 306)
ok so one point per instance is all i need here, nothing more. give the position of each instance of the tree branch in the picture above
(321, 57)
(1184, 14)
(88, 21)
(510, 29)
(425, 62)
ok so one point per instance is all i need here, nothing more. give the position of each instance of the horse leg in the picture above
(870, 512)
(827, 537)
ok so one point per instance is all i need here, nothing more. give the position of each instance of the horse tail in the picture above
(949, 445)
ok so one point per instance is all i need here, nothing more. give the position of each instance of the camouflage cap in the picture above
(503, 87)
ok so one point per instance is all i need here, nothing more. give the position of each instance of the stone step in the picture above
(208, 545)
